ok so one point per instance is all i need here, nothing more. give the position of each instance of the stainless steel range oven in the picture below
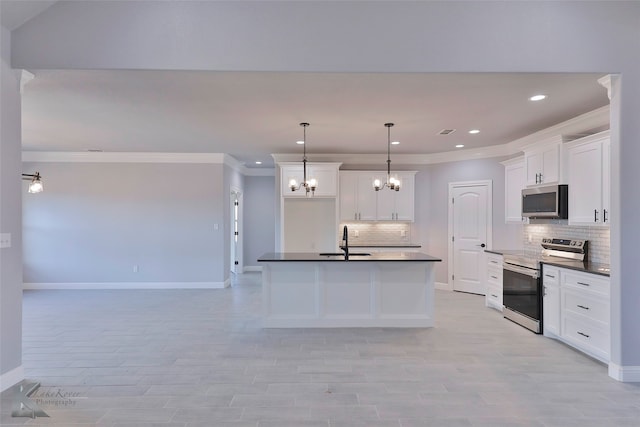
(522, 287)
(522, 293)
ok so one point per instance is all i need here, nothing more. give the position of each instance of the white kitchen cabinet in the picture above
(589, 180)
(357, 196)
(514, 182)
(326, 175)
(543, 162)
(360, 202)
(493, 281)
(551, 300)
(397, 205)
(580, 314)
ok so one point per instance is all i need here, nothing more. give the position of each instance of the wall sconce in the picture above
(36, 182)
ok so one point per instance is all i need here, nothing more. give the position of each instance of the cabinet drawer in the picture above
(494, 275)
(586, 282)
(550, 275)
(493, 297)
(583, 304)
(494, 260)
(593, 338)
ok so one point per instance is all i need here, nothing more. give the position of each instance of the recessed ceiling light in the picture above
(395, 142)
(258, 162)
(459, 145)
(300, 142)
(474, 131)
(537, 97)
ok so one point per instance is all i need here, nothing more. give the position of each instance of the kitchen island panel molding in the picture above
(348, 294)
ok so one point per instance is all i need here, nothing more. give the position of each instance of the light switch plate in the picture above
(5, 240)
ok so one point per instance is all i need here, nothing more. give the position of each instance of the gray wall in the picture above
(95, 221)
(10, 215)
(259, 217)
(432, 214)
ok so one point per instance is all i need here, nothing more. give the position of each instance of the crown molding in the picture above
(576, 127)
(120, 157)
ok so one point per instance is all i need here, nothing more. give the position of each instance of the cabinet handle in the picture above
(584, 335)
(604, 215)
(540, 177)
(494, 295)
(494, 262)
(537, 177)
(494, 277)
(549, 275)
(583, 284)
(595, 215)
(583, 307)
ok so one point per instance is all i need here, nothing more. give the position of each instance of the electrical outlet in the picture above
(135, 268)
(356, 233)
(5, 240)
(403, 233)
(215, 226)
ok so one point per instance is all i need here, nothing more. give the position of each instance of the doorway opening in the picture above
(235, 251)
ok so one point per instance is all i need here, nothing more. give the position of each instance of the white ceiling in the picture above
(251, 115)
(14, 13)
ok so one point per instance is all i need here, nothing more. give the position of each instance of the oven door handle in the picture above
(521, 270)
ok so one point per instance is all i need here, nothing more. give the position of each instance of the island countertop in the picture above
(373, 257)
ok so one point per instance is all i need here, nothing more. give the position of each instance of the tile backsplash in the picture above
(598, 237)
(377, 233)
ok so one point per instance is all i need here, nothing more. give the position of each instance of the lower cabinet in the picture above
(579, 314)
(493, 281)
(550, 300)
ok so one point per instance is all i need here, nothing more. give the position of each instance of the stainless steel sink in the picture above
(342, 254)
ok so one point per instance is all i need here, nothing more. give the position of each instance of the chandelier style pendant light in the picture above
(310, 184)
(36, 182)
(392, 183)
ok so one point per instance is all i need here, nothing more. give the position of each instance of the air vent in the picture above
(446, 131)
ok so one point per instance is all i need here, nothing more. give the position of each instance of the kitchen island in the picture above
(310, 290)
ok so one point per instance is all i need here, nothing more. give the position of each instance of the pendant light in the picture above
(310, 184)
(36, 183)
(392, 183)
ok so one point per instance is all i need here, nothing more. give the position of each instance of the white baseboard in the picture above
(128, 285)
(11, 378)
(248, 268)
(443, 286)
(625, 374)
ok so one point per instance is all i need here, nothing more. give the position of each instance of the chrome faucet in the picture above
(345, 241)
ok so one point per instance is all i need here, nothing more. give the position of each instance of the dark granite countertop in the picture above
(408, 245)
(379, 256)
(587, 267)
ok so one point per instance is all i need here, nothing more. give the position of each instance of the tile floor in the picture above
(186, 358)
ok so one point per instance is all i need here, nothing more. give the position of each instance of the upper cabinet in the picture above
(514, 182)
(360, 202)
(397, 205)
(543, 163)
(357, 196)
(589, 180)
(326, 175)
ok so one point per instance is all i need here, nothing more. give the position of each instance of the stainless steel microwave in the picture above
(550, 202)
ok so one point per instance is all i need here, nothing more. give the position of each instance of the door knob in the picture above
(482, 245)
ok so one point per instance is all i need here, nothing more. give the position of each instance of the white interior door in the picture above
(235, 249)
(469, 222)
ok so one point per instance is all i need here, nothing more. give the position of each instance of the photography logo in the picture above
(23, 406)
